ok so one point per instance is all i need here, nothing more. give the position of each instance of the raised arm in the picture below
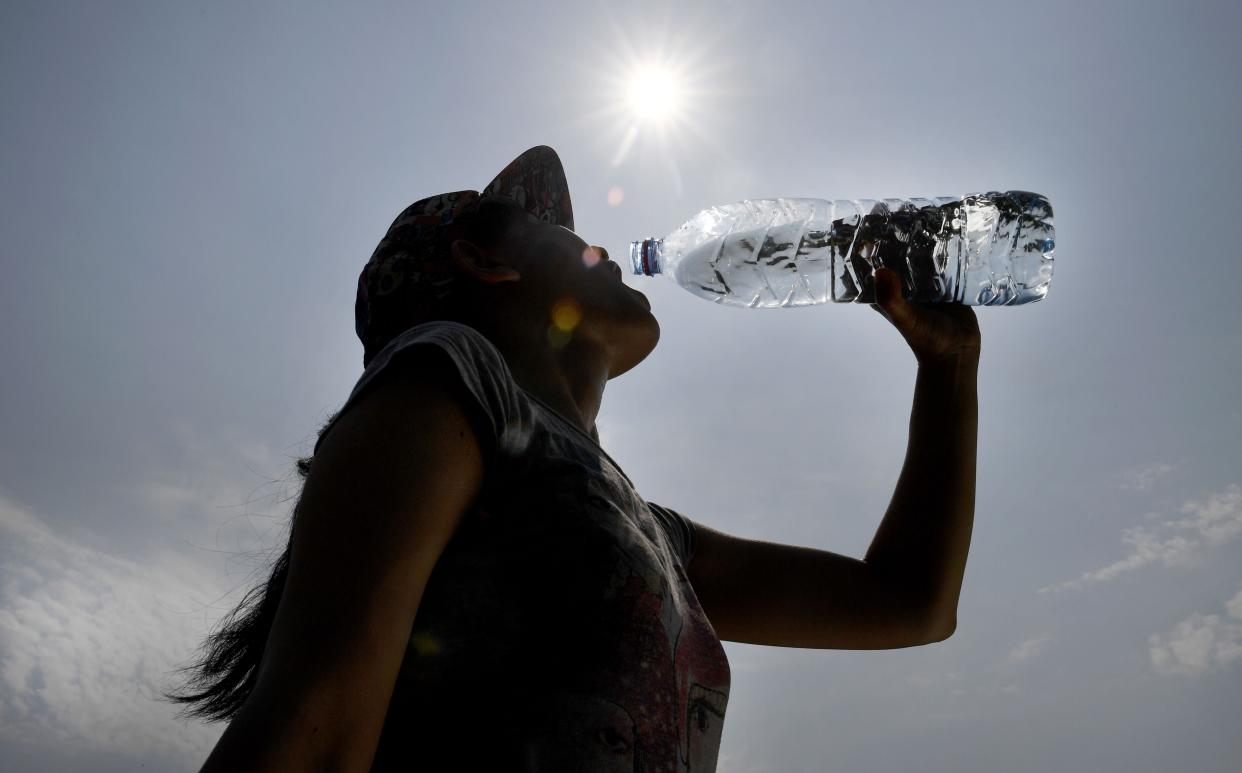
(906, 590)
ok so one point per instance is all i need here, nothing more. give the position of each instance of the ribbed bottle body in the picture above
(984, 249)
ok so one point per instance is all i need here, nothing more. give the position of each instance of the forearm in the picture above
(921, 544)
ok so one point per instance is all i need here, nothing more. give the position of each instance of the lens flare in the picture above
(566, 314)
(425, 644)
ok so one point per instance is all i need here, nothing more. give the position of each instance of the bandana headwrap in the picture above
(412, 266)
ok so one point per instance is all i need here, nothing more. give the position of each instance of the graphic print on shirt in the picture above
(661, 666)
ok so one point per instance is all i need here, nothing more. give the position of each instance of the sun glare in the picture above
(654, 94)
(658, 91)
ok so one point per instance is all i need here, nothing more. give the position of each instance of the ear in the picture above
(469, 258)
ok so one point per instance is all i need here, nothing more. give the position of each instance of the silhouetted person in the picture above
(472, 583)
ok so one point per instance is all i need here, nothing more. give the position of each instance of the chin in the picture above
(636, 343)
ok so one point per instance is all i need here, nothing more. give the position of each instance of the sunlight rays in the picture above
(654, 97)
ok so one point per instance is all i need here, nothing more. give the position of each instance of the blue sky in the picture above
(187, 195)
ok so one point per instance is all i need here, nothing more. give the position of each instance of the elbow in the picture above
(943, 631)
(930, 622)
(935, 627)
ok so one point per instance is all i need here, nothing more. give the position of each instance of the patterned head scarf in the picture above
(412, 266)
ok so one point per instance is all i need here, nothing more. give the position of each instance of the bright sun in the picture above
(654, 94)
(655, 97)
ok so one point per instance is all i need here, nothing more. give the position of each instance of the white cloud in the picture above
(1200, 643)
(1233, 607)
(1028, 649)
(1143, 477)
(88, 640)
(1217, 520)
(1211, 523)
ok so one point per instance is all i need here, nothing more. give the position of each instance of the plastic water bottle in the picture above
(983, 249)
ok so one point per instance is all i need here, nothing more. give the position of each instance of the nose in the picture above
(603, 256)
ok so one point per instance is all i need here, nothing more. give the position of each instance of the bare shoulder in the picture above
(386, 491)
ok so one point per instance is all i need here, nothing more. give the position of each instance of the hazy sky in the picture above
(187, 195)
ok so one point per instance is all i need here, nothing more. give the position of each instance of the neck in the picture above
(570, 379)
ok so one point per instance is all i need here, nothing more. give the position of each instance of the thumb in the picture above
(889, 297)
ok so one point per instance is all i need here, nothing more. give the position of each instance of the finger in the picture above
(888, 292)
(878, 305)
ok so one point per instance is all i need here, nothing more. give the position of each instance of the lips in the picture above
(615, 269)
(610, 267)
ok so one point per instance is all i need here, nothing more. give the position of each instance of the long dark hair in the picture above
(227, 669)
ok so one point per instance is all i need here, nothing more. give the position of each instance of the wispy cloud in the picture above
(1028, 649)
(1200, 643)
(1143, 477)
(88, 640)
(1208, 524)
(1218, 520)
(203, 473)
(990, 675)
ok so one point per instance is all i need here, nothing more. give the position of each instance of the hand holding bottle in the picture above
(936, 332)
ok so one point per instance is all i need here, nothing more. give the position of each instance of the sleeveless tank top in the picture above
(558, 631)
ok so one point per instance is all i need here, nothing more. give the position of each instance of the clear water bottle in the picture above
(983, 249)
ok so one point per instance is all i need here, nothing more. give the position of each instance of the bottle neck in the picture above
(647, 256)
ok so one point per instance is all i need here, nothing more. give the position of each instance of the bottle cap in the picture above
(647, 256)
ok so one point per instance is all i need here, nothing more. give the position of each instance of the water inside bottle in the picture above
(986, 249)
